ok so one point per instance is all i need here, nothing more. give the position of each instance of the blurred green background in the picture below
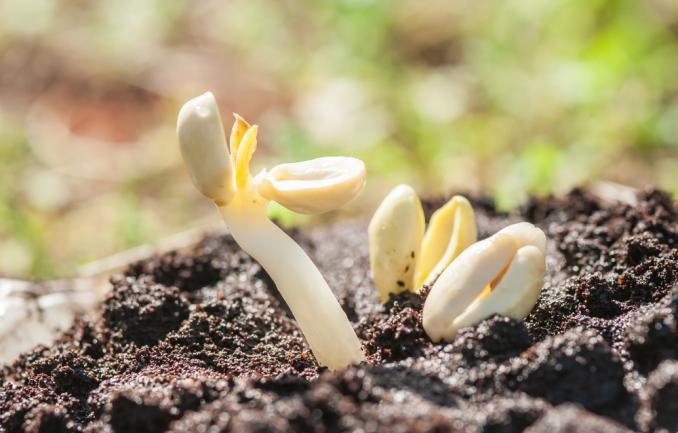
(509, 98)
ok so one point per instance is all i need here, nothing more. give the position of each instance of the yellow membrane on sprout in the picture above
(499, 275)
(450, 231)
(395, 234)
(240, 127)
(245, 150)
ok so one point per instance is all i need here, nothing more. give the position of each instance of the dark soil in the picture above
(201, 342)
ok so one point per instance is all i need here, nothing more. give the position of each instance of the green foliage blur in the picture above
(506, 98)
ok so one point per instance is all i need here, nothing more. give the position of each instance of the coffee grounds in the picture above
(201, 341)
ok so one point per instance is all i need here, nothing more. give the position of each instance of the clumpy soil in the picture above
(202, 342)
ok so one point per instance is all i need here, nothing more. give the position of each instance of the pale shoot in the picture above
(312, 186)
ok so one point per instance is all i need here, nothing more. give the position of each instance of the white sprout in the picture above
(311, 186)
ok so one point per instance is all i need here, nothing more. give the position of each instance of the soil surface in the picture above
(202, 342)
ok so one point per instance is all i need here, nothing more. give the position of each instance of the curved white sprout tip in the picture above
(203, 147)
(502, 274)
(313, 186)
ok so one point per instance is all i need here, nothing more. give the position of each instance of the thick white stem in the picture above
(327, 329)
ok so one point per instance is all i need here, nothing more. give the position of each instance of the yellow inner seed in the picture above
(488, 289)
